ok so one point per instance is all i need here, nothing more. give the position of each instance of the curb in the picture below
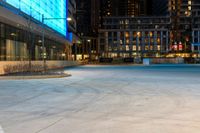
(34, 77)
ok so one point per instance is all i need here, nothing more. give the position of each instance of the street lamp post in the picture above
(43, 39)
(89, 42)
(43, 48)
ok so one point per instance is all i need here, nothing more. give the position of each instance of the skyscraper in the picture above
(120, 8)
(143, 7)
(169, 27)
(95, 16)
(106, 8)
(159, 7)
(87, 27)
(84, 17)
(129, 8)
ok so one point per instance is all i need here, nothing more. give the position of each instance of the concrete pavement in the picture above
(105, 99)
(1, 130)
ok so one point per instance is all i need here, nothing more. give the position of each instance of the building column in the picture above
(3, 49)
(143, 43)
(98, 46)
(198, 36)
(149, 41)
(192, 36)
(167, 41)
(106, 45)
(161, 41)
(89, 49)
(118, 44)
(131, 44)
(155, 41)
(83, 49)
(112, 45)
(137, 45)
(124, 44)
(75, 51)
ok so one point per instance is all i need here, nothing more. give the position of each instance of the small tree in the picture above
(30, 39)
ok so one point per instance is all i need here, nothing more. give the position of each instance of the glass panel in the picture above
(49, 8)
(16, 50)
(10, 50)
(2, 49)
(2, 30)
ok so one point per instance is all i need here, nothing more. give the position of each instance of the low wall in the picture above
(50, 64)
(166, 60)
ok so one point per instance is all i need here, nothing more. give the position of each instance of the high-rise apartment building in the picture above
(128, 8)
(172, 29)
(120, 8)
(185, 16)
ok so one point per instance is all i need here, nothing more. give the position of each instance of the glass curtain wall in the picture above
(19, 45)
(47, 8)
(16, 50)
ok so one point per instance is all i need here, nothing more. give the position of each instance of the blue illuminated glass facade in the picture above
(48, 8)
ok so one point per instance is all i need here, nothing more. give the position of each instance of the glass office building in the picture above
(21, 29)
(47, 8)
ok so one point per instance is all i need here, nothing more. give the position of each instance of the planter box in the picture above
(5, 65)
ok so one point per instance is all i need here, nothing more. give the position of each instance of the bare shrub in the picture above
(23, 67)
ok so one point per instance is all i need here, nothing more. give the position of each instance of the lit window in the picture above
(189, 2)
(138, 34)
(127, 34)
(134, 48)
(127, 48)
(150, 34)
(189, 8)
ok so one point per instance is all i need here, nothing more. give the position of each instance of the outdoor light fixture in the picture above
(13, 34)
(63, 54)
(69, 19)
(78, 42)
(89, 40)
(138, 34)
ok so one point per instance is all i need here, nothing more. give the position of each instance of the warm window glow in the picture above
(189, 2)
(151, 34)
(138, 34)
